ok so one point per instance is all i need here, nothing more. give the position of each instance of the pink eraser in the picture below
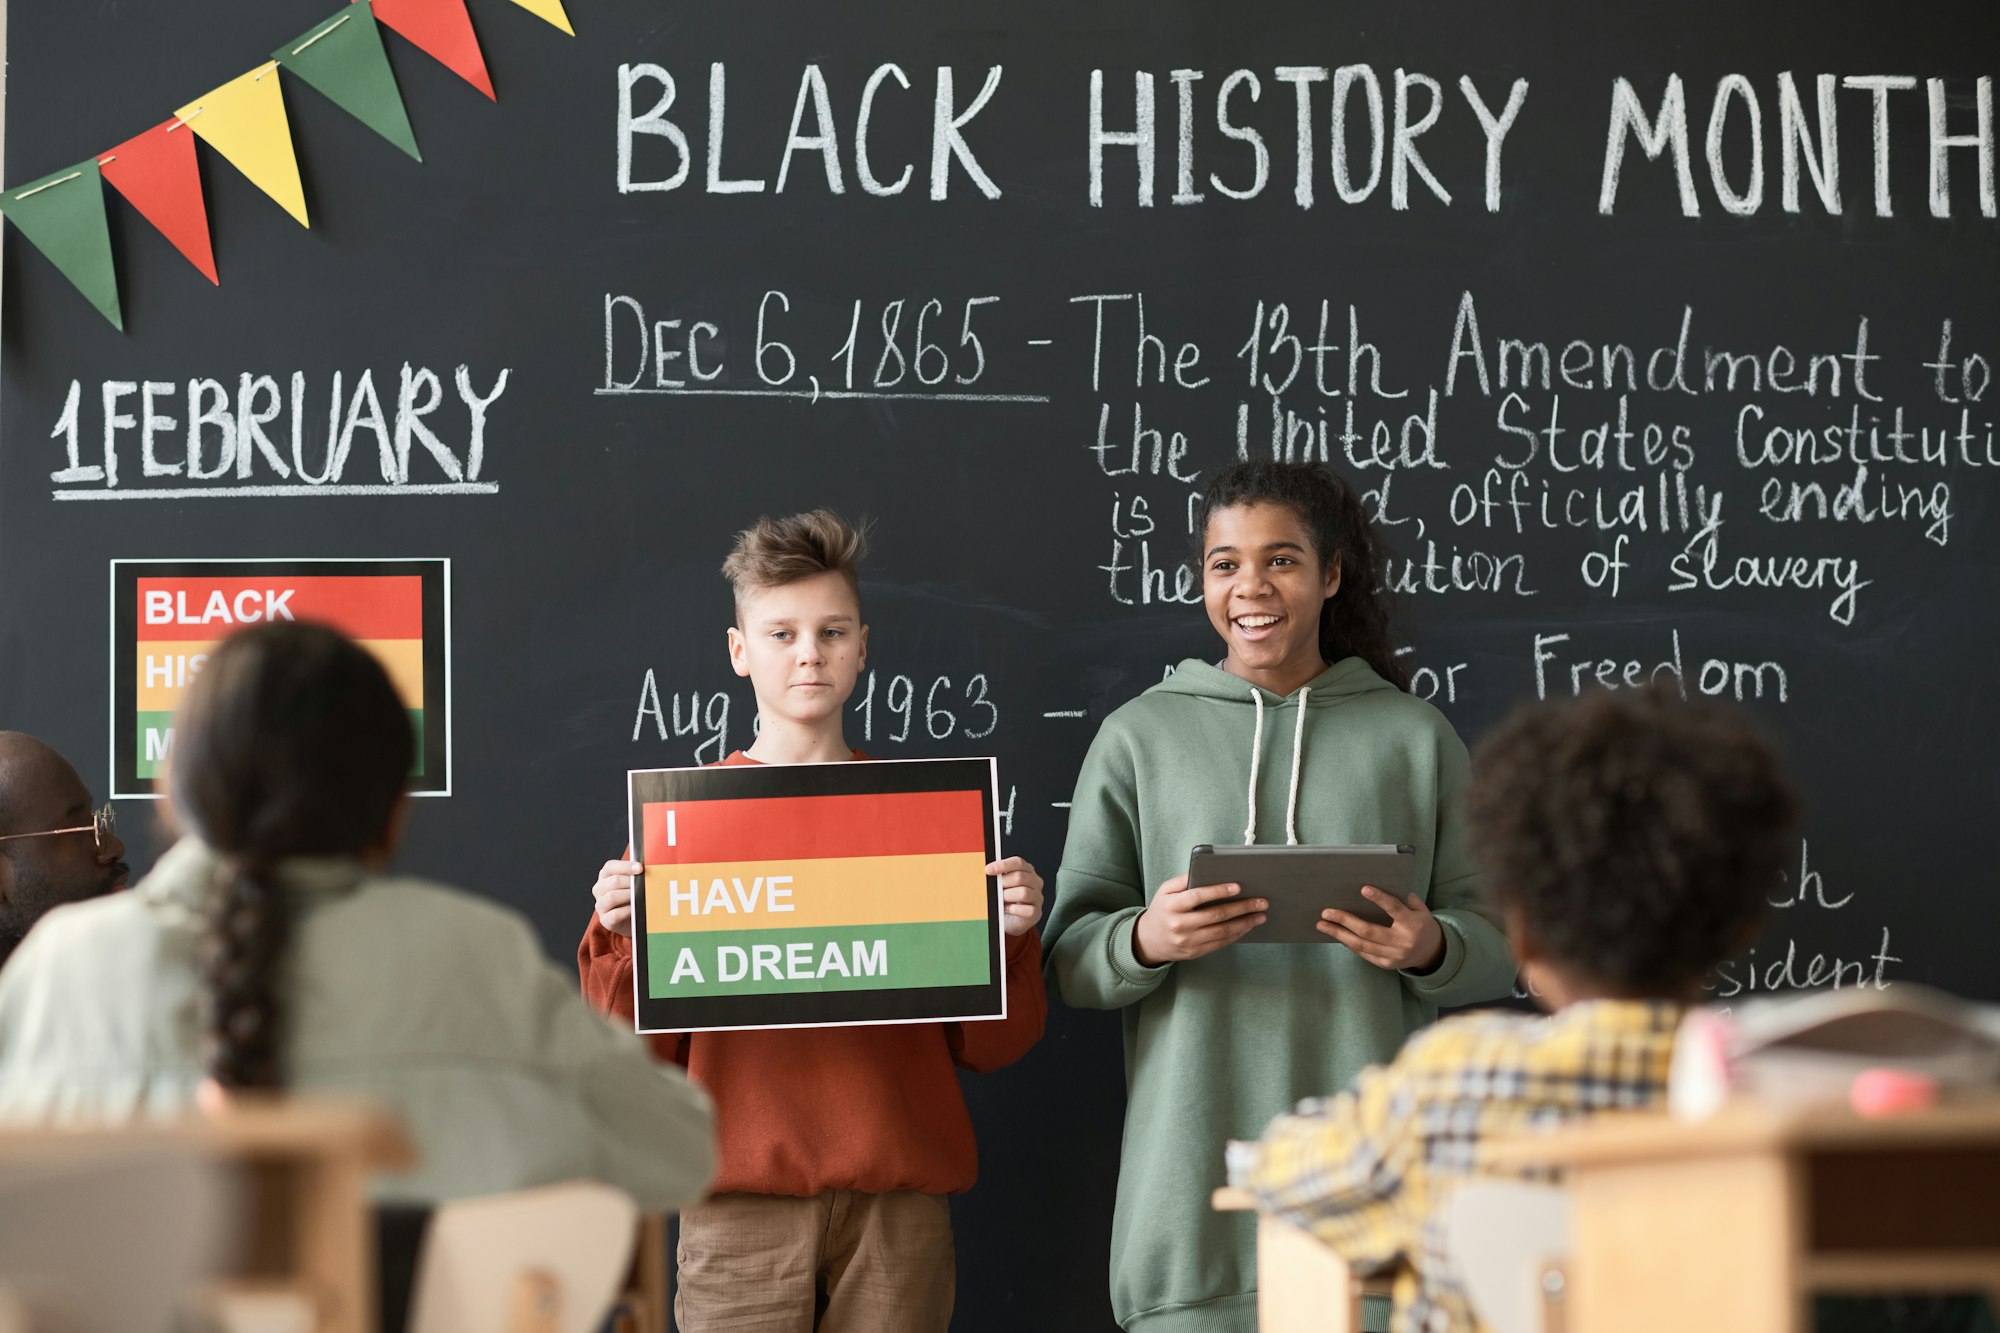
(1891, 1092)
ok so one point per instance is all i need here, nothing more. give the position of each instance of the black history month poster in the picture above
(167, 616)
(805, 895)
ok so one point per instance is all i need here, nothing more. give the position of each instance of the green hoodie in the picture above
(1215, 1047)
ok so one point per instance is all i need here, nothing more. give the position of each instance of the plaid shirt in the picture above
(1369, 1172)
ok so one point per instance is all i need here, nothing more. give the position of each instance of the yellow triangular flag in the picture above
(244, 120)
(551, 10)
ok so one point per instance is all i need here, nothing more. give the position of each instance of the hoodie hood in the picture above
(1335, 685)
(1340, 682)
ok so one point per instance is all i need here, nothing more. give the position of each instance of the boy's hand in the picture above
(1020, 895)
(1183, 923)
(1412, 941)
(613, 892)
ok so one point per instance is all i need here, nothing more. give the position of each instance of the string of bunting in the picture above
(342, 58)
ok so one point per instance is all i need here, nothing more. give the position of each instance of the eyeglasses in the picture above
(103, 823)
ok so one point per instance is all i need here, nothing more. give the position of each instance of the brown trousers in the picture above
(839, 1262)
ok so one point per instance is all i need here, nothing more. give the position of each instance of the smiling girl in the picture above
(1304, 733)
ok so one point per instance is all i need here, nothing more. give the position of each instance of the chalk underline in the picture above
(216, 492)
(816, 394)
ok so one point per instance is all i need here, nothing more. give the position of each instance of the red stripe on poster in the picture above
(782, 827)
(363, 606)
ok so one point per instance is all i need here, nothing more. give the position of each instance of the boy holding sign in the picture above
(839, 1145)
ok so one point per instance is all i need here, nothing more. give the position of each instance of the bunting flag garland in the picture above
(551, 10)
(63, 215)
(157, 174)
(244, 120)
(441, 29)
(343, 58)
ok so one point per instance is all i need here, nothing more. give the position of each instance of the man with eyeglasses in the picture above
(54, 848)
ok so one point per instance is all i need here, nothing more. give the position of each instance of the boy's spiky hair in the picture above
(775, 551)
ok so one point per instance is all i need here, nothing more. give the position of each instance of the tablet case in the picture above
(1302, 882)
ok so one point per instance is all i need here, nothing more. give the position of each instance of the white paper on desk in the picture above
(1239, 1157)
(1804, 1049)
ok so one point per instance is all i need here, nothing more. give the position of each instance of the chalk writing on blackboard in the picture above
(247, 436)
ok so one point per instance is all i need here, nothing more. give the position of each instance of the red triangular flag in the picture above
(156, 173)
(442, 30)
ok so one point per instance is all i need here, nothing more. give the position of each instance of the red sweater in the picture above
(801, 1111)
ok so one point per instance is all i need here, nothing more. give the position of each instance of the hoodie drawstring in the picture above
(1298, 762)
(1257, 758)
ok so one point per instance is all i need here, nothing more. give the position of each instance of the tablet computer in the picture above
(1302, 882)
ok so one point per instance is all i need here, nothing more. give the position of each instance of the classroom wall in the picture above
(1554, 527)
(3, 110)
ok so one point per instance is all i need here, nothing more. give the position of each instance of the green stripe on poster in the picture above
(154, 730)
(150, 740)
(839, 958)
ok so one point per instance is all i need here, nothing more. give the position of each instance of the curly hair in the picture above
(1637, 836)
(291, 742)
(1354, 622)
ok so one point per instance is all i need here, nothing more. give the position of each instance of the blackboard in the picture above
(1024, 581)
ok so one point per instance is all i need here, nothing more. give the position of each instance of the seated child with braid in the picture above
(271, 949)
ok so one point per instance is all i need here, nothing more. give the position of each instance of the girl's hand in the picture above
(1183, 923)
(1413, 941)
(1020, 894)
(613, 892)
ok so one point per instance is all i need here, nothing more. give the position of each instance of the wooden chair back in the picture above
(1509, 1239)
(548, 1260)
(1302, 1286)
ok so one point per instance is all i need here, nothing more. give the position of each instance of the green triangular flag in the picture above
(344, 59)
(63, 215)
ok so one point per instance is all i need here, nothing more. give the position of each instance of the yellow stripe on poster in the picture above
(403, 659)
(167, 667)
(818, 892)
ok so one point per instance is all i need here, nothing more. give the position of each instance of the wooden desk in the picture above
(1730, 1224)
(1302, 1286)
(309, 1228)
